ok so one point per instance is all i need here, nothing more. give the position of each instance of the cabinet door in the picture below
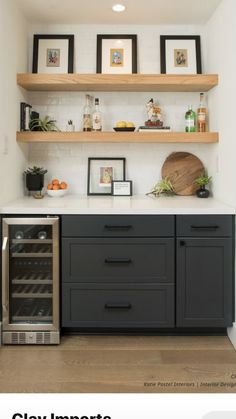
(204, 282)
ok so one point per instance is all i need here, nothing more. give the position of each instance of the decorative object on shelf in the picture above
(53, 54)
(154, 114)
(117, 54)
(70, 126)
(146, 128)
(190, 120)
(122, 187)
(180, 54)
(45, 124)
(202, 115)
(35, 180)
(102, 171)
(202, 181)
(124, 126)
(163, 187)
(182, 169)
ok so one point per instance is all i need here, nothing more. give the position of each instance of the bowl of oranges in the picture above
(56, 188)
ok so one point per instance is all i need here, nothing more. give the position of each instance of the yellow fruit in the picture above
(121, 124)
(130, 125)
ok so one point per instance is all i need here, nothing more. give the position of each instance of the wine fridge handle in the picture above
(4, 244)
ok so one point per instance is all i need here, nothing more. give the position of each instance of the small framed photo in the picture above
(117, 54)
(53, 54)
(102, 172)
(180, 54)
(121, 188)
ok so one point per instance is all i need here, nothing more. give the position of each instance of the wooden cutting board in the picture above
(183, 169)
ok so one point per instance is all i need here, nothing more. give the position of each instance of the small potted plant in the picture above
(45, 124)
(202, 181)
(163, 187)
(35, 178)
(70, 126)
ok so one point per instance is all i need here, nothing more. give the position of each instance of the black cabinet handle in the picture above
(206, 228)
(118, 260)
(182, 243)
(119, 306)
(118, 227)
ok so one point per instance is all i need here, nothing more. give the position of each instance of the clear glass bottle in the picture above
(87, 115)
(190, 120)
(97, 117)
(202, 115)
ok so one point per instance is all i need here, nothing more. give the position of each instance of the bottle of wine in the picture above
(190, 120)
(87, 115)
(202, 115)
(97, 117)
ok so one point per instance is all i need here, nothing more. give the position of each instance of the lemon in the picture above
(121, 124)
(130, 125)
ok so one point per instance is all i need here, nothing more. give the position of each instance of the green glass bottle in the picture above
(190, 120)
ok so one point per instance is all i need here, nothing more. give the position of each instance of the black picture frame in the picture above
(108, 159)
(70, 39)
(123, 182)
(100, 39)
(196, 38)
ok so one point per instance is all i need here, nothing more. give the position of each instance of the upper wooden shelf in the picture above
(118, 83)
(117, 137)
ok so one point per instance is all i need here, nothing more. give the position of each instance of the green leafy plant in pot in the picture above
(202, 181)
(43, 124)
(35, 178)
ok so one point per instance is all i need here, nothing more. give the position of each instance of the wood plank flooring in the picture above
(123, 364)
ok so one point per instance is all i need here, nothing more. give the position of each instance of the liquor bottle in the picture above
(202, 115)
(190, 120)
(97, 117)
(87, 115)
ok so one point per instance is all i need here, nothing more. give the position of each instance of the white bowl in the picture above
(56, 193)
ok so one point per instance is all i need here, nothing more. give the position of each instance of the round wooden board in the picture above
(183, 169)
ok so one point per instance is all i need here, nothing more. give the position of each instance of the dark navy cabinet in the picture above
(147, 272)
(118, 272)
(204, 271)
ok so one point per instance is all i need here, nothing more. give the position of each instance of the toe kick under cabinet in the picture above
(146, 272)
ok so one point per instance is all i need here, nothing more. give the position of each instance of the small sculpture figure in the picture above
(154, 114)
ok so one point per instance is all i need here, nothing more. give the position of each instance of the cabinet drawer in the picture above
(118, 260)
(204, 225)
(118, 226)
(115, 307)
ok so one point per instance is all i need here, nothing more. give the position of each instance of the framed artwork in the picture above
(53, 54)
(101, 173)
(117, 54)
(181, 54)
(121, 188)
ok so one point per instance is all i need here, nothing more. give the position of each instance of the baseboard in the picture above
(232, 334)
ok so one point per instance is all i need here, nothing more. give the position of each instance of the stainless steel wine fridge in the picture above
(30, 280)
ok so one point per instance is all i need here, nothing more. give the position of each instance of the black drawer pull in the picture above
(206, 228)
(182, 243)
(119, 306)
(117, 260)
(117, 228)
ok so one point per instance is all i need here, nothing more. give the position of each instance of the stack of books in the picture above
(146, 128)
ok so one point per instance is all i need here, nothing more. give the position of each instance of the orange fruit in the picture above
(56, 187)
(55, 182)
(50, 186)
(63, 185)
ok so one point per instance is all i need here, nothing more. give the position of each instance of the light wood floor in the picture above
(122, 364)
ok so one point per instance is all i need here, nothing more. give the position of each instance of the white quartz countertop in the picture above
(139, 204)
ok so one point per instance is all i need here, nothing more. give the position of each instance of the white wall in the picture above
(221, 58)
(13, 47)
(144, 162)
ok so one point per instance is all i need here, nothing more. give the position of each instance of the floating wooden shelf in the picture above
(118, 83)
(117, 137)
